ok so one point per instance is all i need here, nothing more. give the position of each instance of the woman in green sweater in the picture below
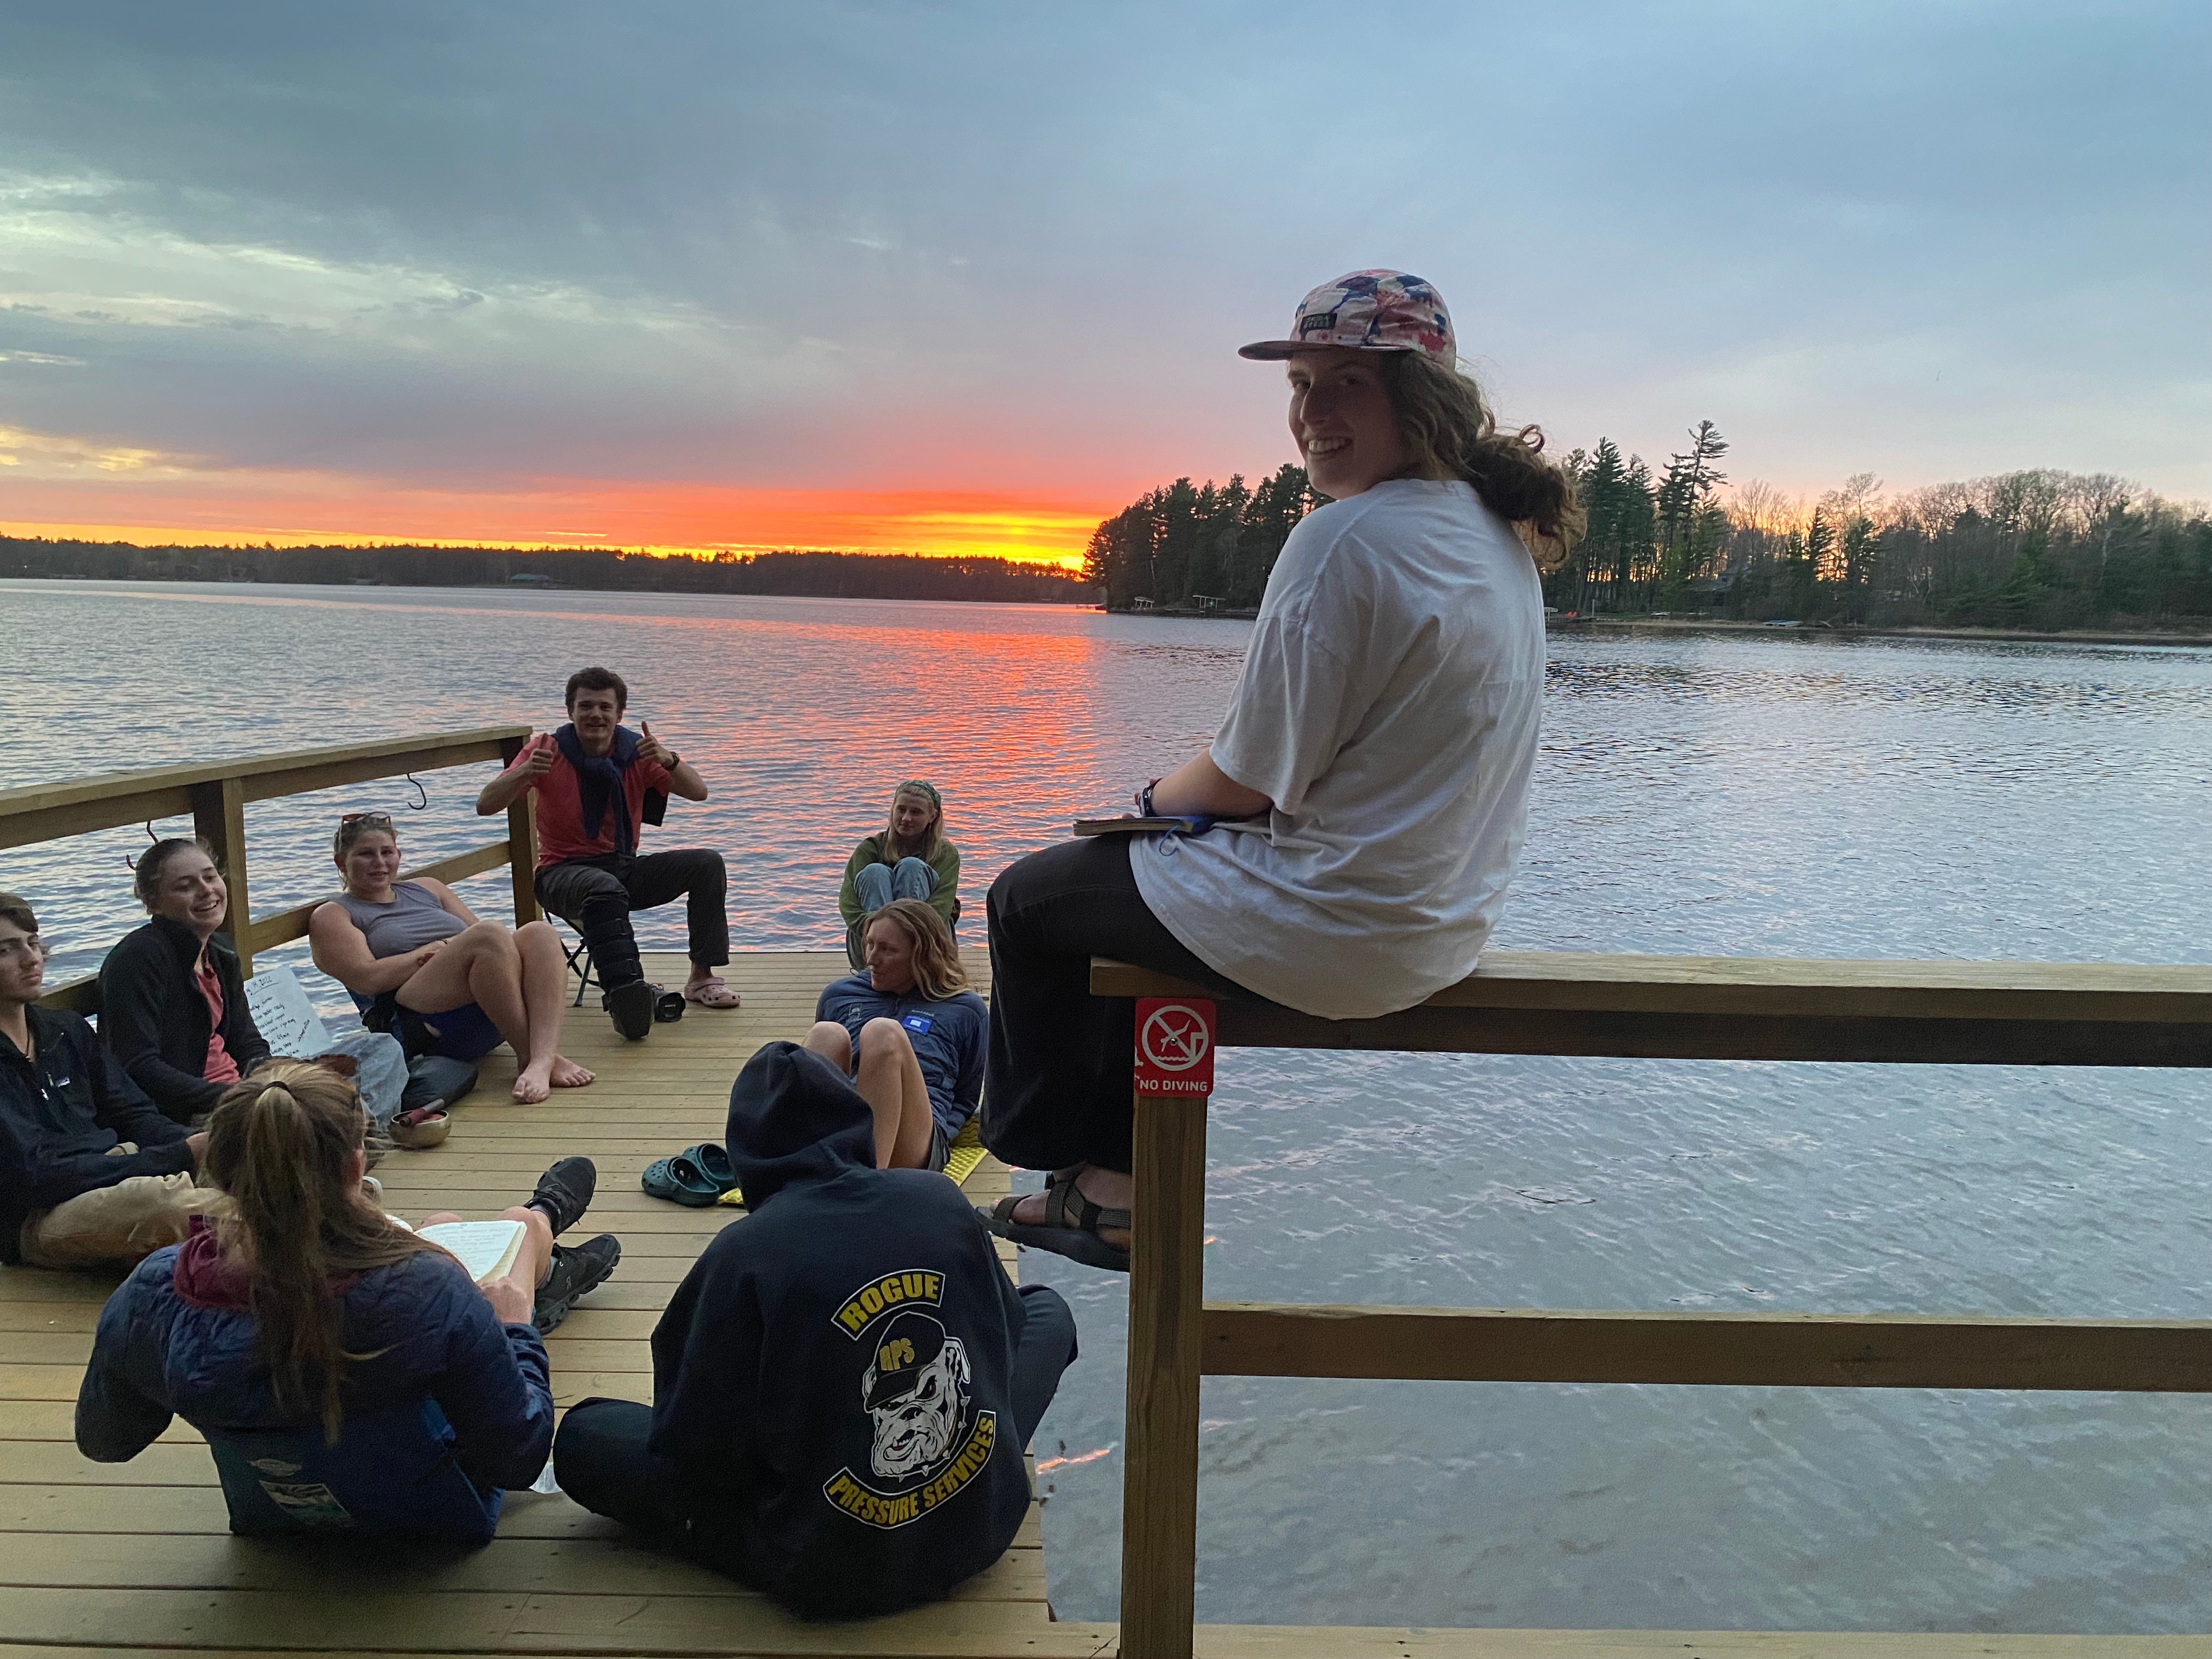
(908, 858)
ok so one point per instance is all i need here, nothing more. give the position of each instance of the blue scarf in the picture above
(599, 782)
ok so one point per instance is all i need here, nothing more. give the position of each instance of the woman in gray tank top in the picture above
(473, 982)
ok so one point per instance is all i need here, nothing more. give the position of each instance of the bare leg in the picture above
(480, 964)
(534, 1261)
(889, 1079)
(514, 1296)
(546, 1000)
(833, 1042)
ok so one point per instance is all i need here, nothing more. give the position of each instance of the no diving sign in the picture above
(1175, 1046)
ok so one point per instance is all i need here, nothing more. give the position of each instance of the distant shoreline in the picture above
(1731, 625)
(2026, 636)
(789, 572)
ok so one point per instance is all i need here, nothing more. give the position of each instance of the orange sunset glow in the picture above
(669, 519)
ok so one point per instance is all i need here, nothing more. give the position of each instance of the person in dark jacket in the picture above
(843, 1383)
(910, 1035)
(89, 1171)
(346, 1372)
(172, 1005)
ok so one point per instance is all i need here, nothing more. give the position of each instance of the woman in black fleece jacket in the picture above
(155, 1014)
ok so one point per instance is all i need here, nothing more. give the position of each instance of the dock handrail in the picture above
(1647, 1007)
(216, 793)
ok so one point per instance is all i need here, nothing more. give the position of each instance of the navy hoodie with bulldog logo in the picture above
(831, 1377)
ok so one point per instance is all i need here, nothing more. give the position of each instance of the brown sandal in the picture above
(1070, 1228)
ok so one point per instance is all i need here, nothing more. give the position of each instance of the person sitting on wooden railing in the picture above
(909, 858)
(173, 1006)
(347, 1372)
(597, 784)
(1374, 761)
(91, 1172)
(422, 964)
(910, 1035)
(843, 1385)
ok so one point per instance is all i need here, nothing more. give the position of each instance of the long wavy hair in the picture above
(281, 1142)
(937, 970)
(931, 839)
(1451, 434)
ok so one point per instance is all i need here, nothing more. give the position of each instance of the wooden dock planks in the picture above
(95, 1557)
(138, 1554)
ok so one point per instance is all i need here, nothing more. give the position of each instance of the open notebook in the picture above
(486, 1249)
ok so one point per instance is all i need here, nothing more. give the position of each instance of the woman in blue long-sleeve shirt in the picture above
(346, 1372)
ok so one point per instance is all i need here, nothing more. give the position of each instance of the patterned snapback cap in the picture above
(1370, 311)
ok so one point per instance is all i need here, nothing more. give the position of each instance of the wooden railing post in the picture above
(219, 818)
(522, 841)
(1159, 1489)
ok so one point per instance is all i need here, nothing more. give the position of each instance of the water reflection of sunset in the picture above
(801, 713)
(290, 512)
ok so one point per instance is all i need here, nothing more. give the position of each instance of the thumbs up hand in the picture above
(537, 755)
(651, 748)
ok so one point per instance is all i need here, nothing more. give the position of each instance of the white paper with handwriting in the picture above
(288, 1022)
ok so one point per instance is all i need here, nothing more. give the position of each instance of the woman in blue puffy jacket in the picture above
(347, 1373)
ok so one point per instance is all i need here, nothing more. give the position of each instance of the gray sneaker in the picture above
(577, 1268)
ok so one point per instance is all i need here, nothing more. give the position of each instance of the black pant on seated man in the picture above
(606, 1462)
(597, 895)
(598, 783)
(843, 1384)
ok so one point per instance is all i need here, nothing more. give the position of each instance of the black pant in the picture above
(601, 1459)
(1057, 1089)
(596, 896)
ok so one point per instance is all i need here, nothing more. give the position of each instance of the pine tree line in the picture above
(2039, 549)
(1203, 547)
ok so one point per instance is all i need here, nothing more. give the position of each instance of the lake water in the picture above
(1752, 795)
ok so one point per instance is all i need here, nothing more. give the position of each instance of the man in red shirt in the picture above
(597, 782)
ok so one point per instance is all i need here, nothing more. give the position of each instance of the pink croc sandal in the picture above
(711, 993)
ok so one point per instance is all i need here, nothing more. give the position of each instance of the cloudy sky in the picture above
(968, 277)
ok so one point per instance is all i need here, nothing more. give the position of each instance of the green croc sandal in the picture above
(714, 1163)
(680, 1181)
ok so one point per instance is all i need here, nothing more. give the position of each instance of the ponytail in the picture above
(1450, 432)
(281, 1143)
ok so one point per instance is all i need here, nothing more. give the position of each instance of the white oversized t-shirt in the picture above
(1388, 706)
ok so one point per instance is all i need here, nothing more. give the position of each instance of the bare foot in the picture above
(533, 1083)
(566, 1074)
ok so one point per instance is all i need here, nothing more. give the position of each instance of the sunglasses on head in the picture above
(354, 825)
